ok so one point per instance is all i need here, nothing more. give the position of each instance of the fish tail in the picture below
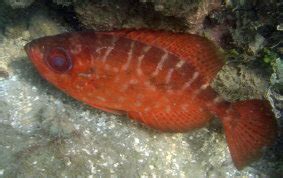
(249, 127)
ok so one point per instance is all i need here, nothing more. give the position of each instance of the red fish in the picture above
(161, 79)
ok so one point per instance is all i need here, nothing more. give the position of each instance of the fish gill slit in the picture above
(129, 58)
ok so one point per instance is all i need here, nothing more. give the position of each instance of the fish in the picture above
(158, 78)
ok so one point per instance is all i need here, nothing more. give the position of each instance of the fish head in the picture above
(61, 59)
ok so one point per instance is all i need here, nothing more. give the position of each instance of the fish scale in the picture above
(158, 78)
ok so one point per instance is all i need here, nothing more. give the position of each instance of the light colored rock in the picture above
(19, 3)
(64, 2)
(240, 82)
(40, 25)
(193, 11)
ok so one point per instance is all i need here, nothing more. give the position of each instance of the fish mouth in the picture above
(27, 48)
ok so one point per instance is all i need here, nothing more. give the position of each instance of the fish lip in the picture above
(27, 48)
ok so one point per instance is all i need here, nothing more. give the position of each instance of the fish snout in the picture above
(31, 50)
(27, 47)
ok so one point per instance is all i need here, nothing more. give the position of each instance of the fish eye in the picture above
(58, 60)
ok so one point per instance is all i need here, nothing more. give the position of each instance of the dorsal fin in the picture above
(197, 51)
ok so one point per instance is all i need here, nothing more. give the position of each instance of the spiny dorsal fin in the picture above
(197, 51)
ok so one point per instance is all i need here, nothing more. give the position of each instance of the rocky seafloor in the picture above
(45, 133)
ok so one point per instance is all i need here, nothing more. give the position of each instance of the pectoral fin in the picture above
(110, 110)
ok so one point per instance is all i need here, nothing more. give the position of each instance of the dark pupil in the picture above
(58, 60)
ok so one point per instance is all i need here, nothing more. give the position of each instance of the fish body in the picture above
(161, 79)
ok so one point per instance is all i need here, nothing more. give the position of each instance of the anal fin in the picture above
(175, 121)
(110, 110)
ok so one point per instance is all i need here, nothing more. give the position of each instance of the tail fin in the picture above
(249, 127)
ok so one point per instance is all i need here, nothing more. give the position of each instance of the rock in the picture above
(275, 94)
(257, 44)
(19, 3)
(194, 12)
(100, 16)
(15, 30)
(63, 2)
(41, 25)
(105, 15)
(4, 74)
(241, 82)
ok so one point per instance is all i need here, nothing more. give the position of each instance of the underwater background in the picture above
(45, 133)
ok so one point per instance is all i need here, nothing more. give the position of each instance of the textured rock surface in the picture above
(18, 3)
(166, 14)
(107, 15)
(192, 11)
(240, 82)
(171, 15)
(45, 133)
(25, 3)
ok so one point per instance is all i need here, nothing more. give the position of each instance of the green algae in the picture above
(270, 56)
